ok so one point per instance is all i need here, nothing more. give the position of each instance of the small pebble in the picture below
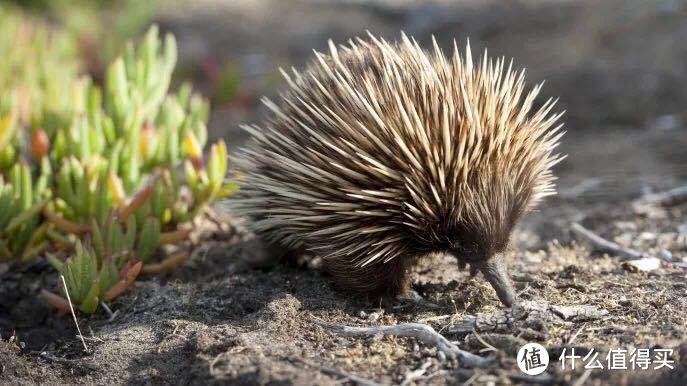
(645, 264)
(647, 236)
(666, 255)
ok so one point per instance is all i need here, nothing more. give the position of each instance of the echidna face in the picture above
(482, 252)
(378, 152)
(478, 235)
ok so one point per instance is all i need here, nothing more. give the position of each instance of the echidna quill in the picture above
(380, 153)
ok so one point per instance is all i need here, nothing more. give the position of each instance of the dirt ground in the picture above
(620, 69)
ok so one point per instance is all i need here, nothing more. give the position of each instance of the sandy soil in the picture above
(619, 68)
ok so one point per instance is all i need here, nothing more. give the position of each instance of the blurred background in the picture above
(618, 67)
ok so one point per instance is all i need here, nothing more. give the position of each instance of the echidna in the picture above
(379, 154)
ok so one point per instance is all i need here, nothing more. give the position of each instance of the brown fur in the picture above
(377, 280)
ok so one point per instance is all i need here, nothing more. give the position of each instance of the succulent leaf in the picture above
(95, 174)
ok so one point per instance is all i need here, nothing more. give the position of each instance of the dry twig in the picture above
(421, 332)
(671, 197)
(160, 345)
(604, 245)
(487, 346)
(508, 343)
(71, 308)
(576, 334)
(111, 315)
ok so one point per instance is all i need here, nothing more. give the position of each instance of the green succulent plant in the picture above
(21, 200)
(100, 179)
(92, 278)
(123, 152)
(145, 132)
(39, 71)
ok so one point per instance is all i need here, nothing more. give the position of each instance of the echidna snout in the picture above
(379, 153)
(494, 270)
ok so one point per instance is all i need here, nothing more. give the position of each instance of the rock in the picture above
(666, 255)
(579, 313)
(646, 264)
(647, 236)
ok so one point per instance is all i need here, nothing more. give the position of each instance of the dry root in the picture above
(671, 197)
(421, 332)
(604, 245)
